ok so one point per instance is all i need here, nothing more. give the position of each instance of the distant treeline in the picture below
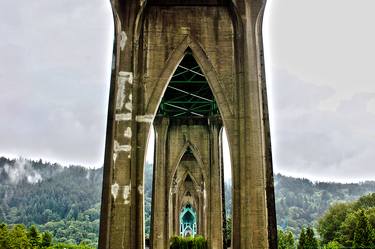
(66, 200)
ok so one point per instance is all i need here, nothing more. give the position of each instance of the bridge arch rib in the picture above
(203, 61)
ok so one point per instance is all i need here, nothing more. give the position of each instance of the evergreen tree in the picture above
(228, 232)
(33, 236)
(285, 239)
(333, 245)
(310, 240)
(4, 237)
(362, 232)
(46, 240)
(302, 239)
(18, 238)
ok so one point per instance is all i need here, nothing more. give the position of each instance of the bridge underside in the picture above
(188, 168)
(190, 68)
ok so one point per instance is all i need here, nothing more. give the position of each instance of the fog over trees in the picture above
(65, 202)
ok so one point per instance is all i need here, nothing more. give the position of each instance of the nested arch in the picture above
(197, 157)
(187, 195)
(185, 176)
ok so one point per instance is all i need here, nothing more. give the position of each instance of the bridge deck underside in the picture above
(188, 93)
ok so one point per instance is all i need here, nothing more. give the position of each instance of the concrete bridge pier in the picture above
(152, 39)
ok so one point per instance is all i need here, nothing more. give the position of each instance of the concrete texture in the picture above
(187, 170)
(151, 38)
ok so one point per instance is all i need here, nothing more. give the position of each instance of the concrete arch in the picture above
(236, 19)
(208, 70)
(186, 173)
(193, 193)
(181, 154)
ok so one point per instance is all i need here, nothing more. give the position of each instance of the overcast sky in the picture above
(54, 75)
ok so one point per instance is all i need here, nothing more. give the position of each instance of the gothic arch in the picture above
(184, 176)
(196, 156)
(208, 69)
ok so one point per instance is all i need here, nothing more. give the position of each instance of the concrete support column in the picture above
(174, 225)
(216, 210)
(160, 190)
(142, 132)
(201, 218)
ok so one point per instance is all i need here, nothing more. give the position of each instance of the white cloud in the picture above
(54, 76)
(320, 144)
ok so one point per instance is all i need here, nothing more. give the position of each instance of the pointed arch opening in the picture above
(189, 48)
(188, 169)
(188, 221)
(188, 94)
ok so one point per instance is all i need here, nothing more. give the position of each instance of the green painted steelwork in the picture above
(188, 93)
(188, 221)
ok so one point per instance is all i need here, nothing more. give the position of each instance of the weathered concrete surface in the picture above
(150, 41)
(187, 170)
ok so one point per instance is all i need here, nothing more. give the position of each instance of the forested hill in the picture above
(62, 200)
(66, 200)
(300, 202)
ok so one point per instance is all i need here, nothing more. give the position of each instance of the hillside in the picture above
(66, 200)
(300, 202)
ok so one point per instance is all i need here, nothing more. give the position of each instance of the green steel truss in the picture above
(188, 93)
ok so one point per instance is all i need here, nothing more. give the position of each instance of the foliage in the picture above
(302, 239)
(332, 245)
(362, 232)
(307, 239)
(351, 224)
(19, 237)
(300, 202)
(330, 223)
(310, 241)
(65, 201)
(228, 232)
(178, 242)
(285, 240)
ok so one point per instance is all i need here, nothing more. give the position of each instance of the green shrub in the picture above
(200, 243)
(178, 242)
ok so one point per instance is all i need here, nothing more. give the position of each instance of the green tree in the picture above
(33, 236)
(302, 240)
(178, 242)
(329, 225)
(46, 240)
(310, 240)
(362, 232)
(333, 245)
(345, 234)
(285, 240)
(18, 238)
(4, 237)
(228, 232)
(366, 201)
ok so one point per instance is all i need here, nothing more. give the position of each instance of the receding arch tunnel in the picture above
(188, 164)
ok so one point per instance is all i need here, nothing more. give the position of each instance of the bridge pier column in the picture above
(215, 212)
(160, 190)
